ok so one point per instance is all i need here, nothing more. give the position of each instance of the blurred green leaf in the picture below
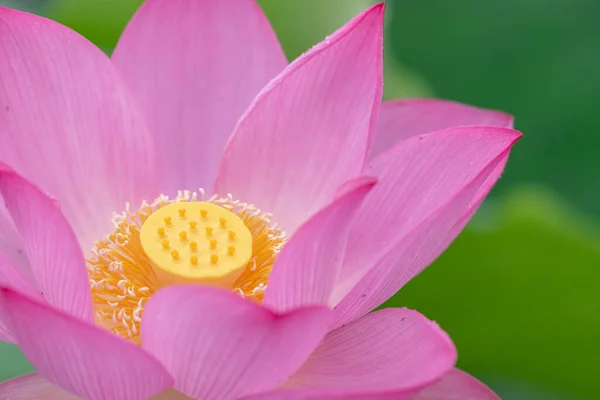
(13, 362)
(537, 59)
(101, 21)
(24, 5)
(301, 24)
(518, 293)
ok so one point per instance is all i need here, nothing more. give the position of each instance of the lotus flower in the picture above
(121, 279)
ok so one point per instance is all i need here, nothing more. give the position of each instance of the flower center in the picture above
(216, 241)
(196, 242)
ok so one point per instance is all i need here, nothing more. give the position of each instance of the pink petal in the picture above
(194, 67)
(402, 119)
(223, 346)
(391, 349)
(67, 123)
(12, 276)
(309, 394)
(308, 131)
(56, 258)
(81, 358)
(5, 334)
(457, 385)
(479, 197)
(426, 184)
(32, 386)
(10, 241)
(307, 268)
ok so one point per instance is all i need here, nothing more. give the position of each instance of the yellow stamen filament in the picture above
(175, 255)
(183, 235)
(123, 277)
(222, 222)
(182, 213)
(213, 243)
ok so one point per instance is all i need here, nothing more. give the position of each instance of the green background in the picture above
(518, 290)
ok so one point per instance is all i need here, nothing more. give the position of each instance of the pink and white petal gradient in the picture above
(224, 347)
(80, 357)
(432, 179)
(194, 67)
(307, 268)
(33, 386)
(394, 349)
(309, 130)
(67, 123)
(403, 119)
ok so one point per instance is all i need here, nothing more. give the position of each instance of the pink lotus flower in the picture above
(332, 198)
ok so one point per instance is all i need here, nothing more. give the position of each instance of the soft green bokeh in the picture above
(537, 59)
(101, 21)
(518, 293)
(518, 290)
(12, 362)
(296, 23)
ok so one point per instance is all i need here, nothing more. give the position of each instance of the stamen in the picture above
(123, 278)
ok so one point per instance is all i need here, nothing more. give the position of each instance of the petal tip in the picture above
(375, 13)
(512, 135)
(378, 7)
